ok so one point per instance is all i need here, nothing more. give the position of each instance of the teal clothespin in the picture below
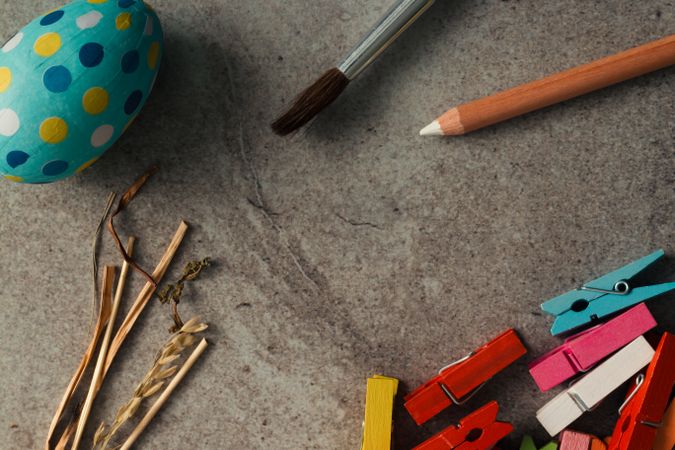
(528, 444)
(604, 296)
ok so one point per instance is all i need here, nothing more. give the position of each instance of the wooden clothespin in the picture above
(457, 382)
(643, 412)
(380, 394)
(604, 296)
(665, 437)
(573, 440)
(479, 430)
(528, 444)
(582, 396)
(581, 352)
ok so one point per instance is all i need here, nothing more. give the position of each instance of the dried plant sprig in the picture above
(126, 198)
(97, 377)
(134, 313)
(152, 412)
(74, 382)
(173, 292)
(153, 381)
(94, 248)
(103, 316)
(145, 295)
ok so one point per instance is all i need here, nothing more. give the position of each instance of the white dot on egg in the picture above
(89, 20)
(102, 135)
(9, 122)
(12, 43)
(149, 26)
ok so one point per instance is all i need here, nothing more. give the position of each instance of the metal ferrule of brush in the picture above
(390, 27)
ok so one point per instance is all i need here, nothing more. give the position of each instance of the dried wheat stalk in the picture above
(124, 201)
(141, 301)
(97, 378)
(153, 381)
(145, 295)
(152, 412)
(94, 252)
(103, 316)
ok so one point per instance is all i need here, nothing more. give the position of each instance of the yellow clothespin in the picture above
(377, 425)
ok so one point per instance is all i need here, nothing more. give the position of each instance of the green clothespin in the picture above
(528, 444)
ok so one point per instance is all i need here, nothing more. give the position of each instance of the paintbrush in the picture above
(331, 84)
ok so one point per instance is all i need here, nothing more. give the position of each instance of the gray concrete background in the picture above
(381, 252)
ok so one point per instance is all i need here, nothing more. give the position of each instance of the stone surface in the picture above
(355, 247)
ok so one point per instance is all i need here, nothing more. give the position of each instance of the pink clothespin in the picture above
(582, 351)
(572, 440)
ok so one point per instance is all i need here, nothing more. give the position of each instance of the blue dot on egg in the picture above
(51, 18)
(53, 168)
(16, 157)
(133, 101)
(91, 54)
(57, 79)
(125, 3)
(130, 61)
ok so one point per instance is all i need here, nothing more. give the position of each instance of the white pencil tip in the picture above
(433, 129)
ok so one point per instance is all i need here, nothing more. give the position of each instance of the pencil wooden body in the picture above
(559, 87)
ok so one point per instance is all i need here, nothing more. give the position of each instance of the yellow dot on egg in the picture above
(53, 130)
(47, 44)
(95, 100)
(14, 178)
(153, 55)
(5, 78)
(96, 2)
(123, 21)
(86, 165)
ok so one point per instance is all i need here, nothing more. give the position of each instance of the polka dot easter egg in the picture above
(71, 82)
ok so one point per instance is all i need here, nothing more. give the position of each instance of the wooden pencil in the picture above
(554, 89)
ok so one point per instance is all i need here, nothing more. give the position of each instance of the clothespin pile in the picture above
(455, 384)
(610, 354)
(603, 357)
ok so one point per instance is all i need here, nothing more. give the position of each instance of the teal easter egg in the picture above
(71, 82)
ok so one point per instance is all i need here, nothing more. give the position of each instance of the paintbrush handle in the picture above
(393, 23)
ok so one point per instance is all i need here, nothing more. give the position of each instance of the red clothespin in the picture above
(457, 382)
(642, 413)
(479, 430)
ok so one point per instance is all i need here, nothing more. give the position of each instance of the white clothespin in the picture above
(581, 397)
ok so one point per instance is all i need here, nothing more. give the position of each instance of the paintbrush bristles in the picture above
(311, 101)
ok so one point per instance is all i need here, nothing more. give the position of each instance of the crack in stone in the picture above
(259, 202)
(358, 224)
